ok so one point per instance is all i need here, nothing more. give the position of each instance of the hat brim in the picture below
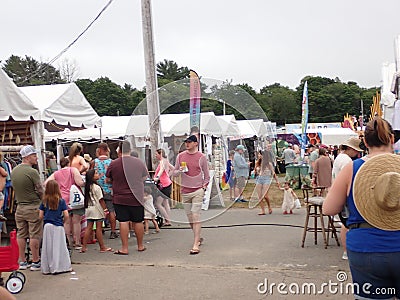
(353, 147)
(363, 192)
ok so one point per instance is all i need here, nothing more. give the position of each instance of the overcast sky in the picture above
(258, 42)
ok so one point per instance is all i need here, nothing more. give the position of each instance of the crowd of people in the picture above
(110, 189)
(363, 188)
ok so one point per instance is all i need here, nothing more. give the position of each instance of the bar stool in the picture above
(314, 211)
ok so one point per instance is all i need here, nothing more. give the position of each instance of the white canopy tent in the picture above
(58, 104)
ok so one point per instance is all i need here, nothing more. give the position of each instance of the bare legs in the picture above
(124, 230)
(162, 205)
(262, 192)
(33, 244)
(195, 224)
(88, 235)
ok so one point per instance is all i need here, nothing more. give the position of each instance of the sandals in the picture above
(118, 252)
(107, 250)
(141, 250)
(194, 251)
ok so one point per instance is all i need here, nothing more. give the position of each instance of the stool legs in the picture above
(314, 211)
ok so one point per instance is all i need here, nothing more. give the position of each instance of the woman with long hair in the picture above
(75, 158)
(66, 177)
(164, 183)
(53, 210)
(264, 170)
(369, 187)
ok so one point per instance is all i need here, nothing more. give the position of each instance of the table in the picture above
(297, 174)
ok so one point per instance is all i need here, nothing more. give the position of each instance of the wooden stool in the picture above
(314, 210)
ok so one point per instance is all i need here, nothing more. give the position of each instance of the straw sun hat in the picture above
(377, 191)
(354, 143)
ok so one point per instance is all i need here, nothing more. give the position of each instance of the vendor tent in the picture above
(56, 104)
(228, 125)
(63, 104)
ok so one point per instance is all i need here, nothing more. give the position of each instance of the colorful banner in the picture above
(195, 97)
(304, 120)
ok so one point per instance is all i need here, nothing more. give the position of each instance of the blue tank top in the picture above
(367, 239)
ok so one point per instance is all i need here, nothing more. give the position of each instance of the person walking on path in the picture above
(28, 192)
(264, 170)
(53, 210)
(370, 186)
(241, 169)
(164, 185)
(192, 165)
(127, 175)
(101, 163)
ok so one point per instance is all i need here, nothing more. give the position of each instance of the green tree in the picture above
(28, 71)
(168, 71)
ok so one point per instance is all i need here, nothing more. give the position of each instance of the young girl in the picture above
(288, 198)
(95, 211)
(149, 211)
(55, 256)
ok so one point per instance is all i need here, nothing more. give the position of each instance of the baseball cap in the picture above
(191, 138)
(240, 147)
(27, 150)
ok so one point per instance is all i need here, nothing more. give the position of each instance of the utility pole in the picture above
(153, 106)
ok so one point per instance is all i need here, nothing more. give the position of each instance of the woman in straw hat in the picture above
(370, 187)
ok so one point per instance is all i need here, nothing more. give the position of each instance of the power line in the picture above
(42, 68)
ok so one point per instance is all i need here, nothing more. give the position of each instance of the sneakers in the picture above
(113, 235)
(344, 256)
(23, 265)
(35, 266)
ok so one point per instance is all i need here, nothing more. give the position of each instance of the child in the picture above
(3, 177)
(149, 211)
(55, 256)
(288, 198)
(95, 211)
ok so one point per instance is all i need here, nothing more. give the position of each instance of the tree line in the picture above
(329, 99)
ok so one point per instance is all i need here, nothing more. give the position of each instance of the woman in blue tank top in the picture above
(373, 250)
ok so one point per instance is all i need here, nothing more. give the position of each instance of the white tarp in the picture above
(331, 136)
(63, 104)
(115, 127)
(14, 103)
(246, 129)
(228, 125)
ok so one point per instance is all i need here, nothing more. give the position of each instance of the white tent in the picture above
(246, 129)
(331, 136)
(63, 104)
(60, 104)
(228, 125)
(14, 103)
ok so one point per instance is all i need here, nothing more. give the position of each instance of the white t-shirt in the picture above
(94, 210)
(339, 163)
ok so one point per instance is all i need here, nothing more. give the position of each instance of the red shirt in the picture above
(197, 175)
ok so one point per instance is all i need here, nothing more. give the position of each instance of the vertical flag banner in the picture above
(195, 97)
(304, 120)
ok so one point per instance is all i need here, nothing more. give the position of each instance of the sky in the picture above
(258, 42)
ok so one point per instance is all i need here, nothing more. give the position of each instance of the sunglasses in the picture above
(188, 141)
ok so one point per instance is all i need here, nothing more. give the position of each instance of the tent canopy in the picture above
(63, 104)
(14, 103)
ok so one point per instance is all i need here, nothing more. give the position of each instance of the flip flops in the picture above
(118, 252)
(106, 250)
(141, 250)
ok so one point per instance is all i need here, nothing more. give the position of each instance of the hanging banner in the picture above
(304, 120)
(195, 97)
